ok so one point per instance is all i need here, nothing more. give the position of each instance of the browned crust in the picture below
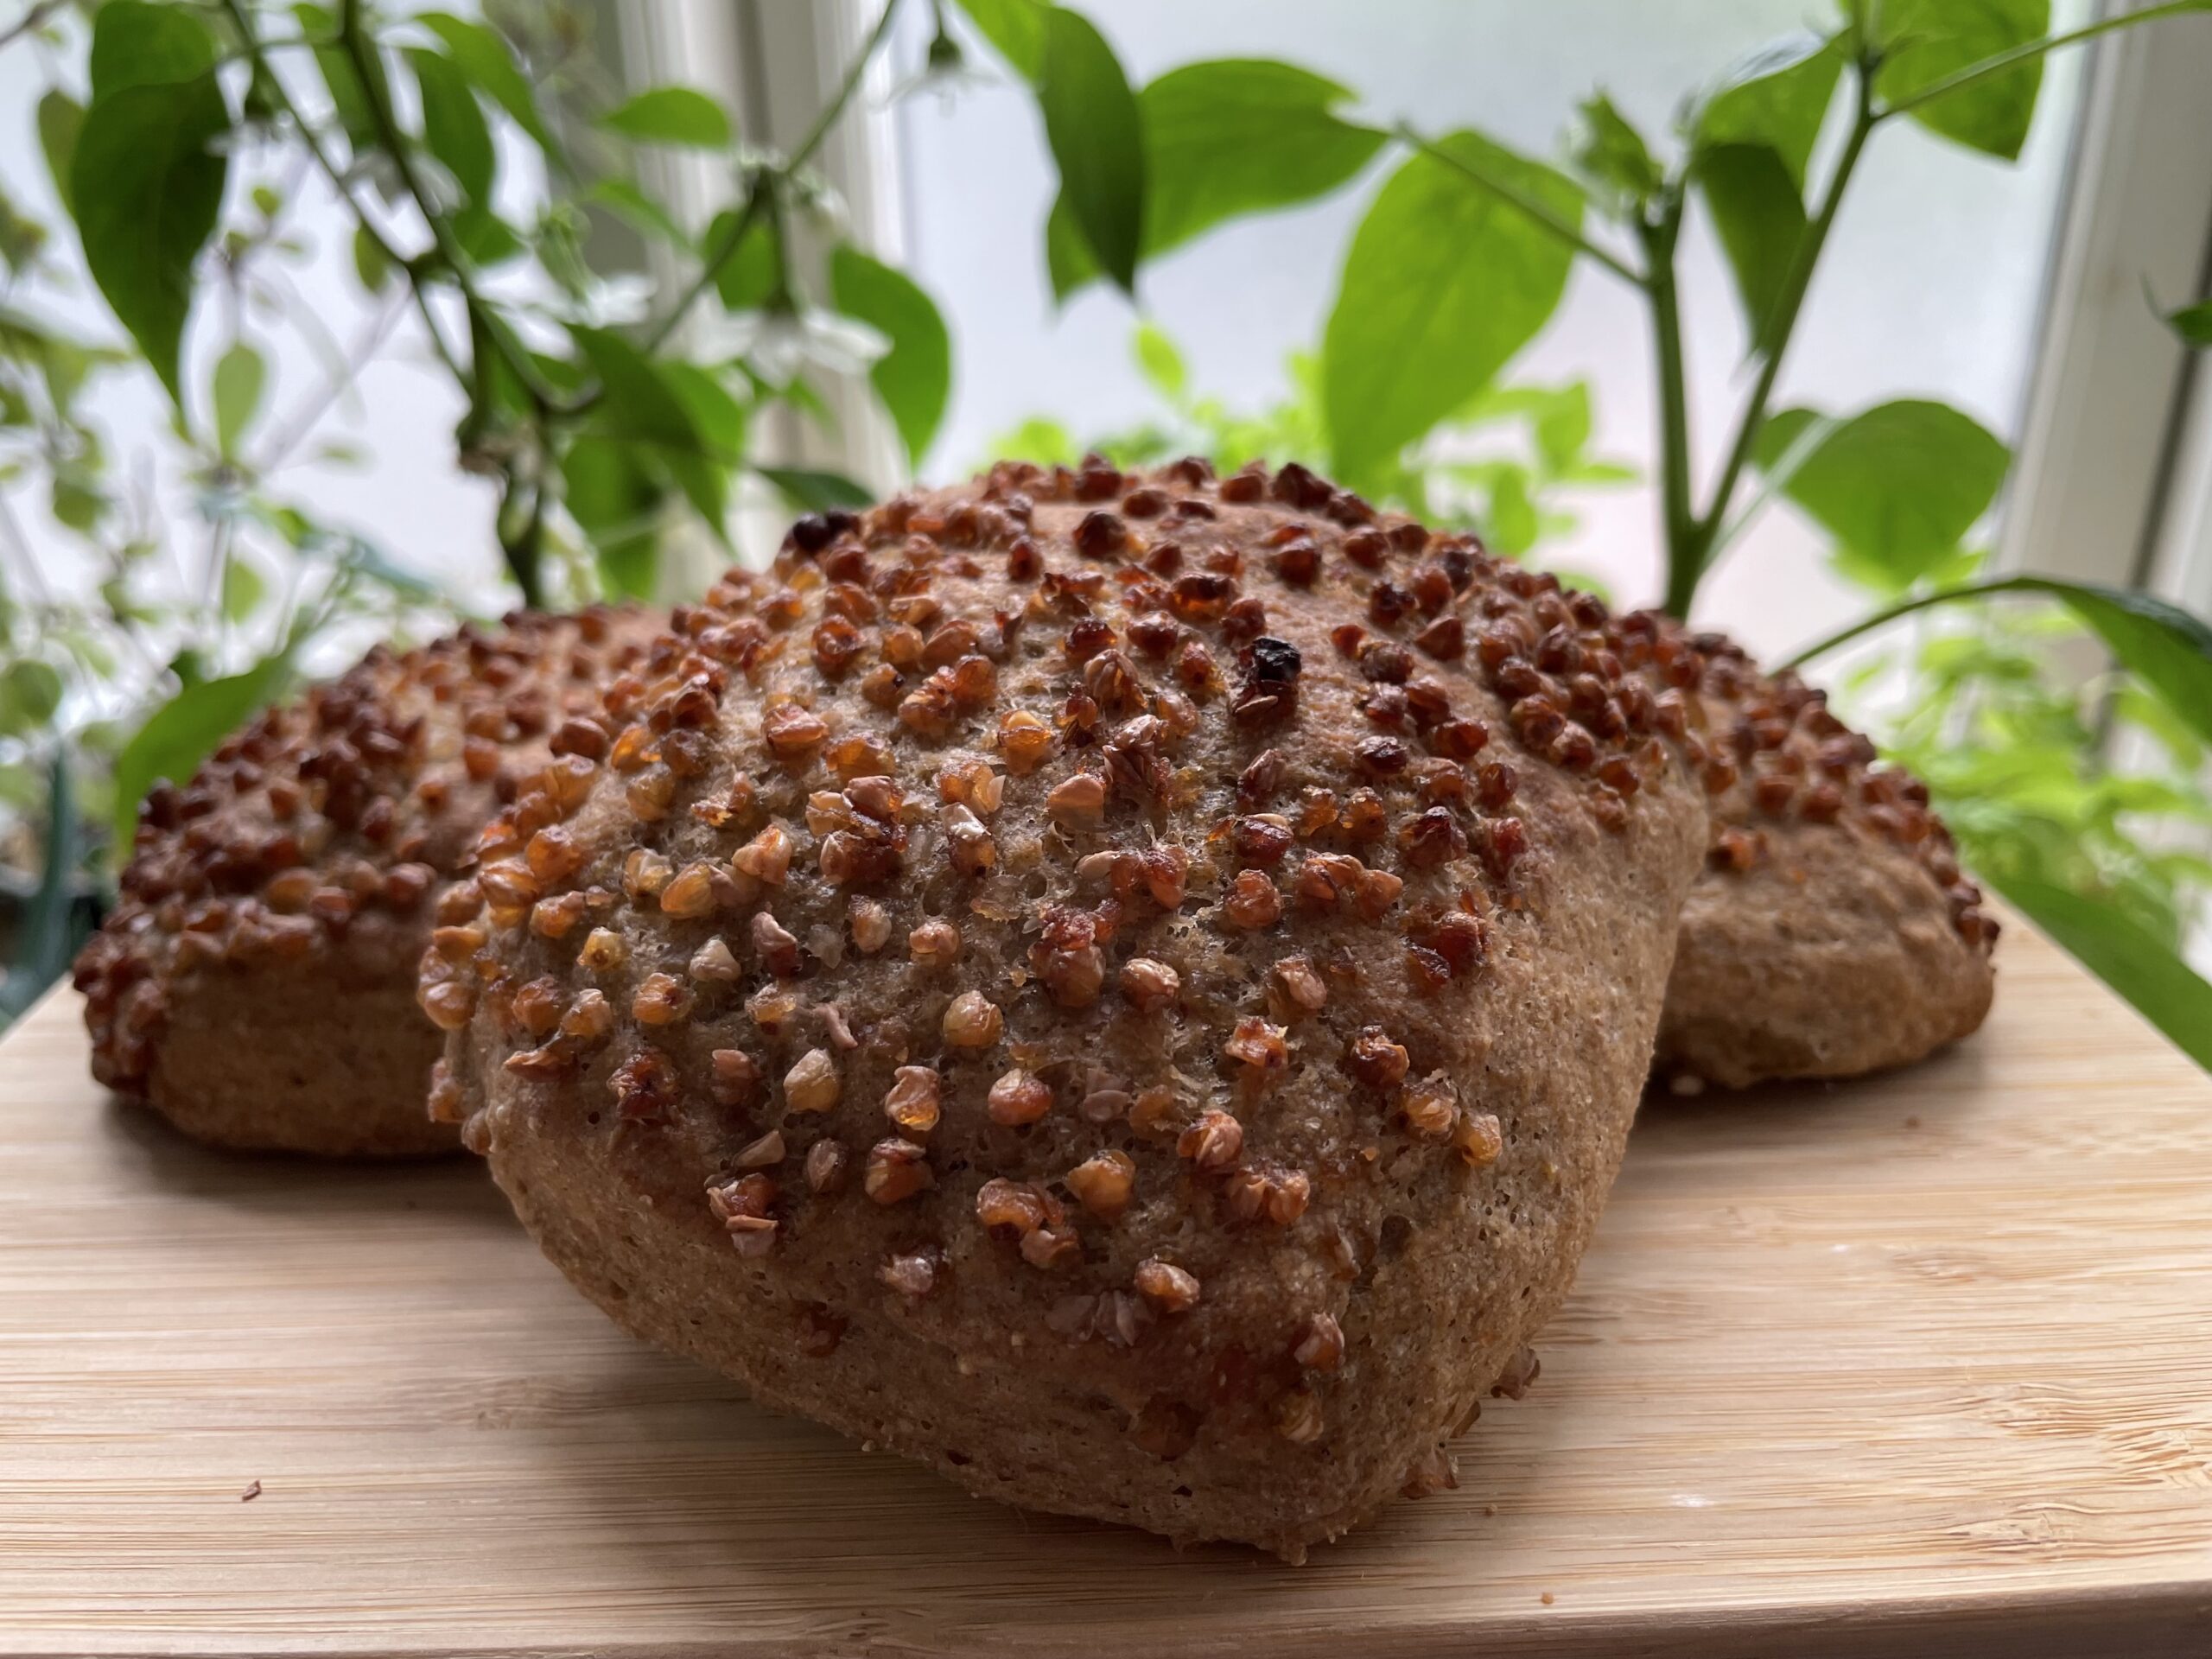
(1833, 933)
(253, 982)
(1361, 787)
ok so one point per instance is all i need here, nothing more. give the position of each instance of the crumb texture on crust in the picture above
(1128, 989)
(1833, 933)
(254, 981)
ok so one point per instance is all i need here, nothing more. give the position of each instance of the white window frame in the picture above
(2108, 450)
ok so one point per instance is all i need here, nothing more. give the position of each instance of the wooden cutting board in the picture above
(1917, 1365)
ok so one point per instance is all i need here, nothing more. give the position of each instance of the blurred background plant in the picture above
(495, 191)
(474, 158)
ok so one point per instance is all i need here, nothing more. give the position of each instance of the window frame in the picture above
(2108, 445)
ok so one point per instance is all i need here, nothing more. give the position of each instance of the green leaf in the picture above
(1162, 365)
(914, 378)
(718, 417)
(30, 691)
(1068, 263)
(2194, 324)
(50, 935)
(1442, 283)
(239, 376)
(61, 118)
(672, 115)
(1929, 39)
(750, 278)
(1761, 223)
(2156, 716)
(2164, 646)
(1097, 141)
(2126, 956)
(640, 406)
(1015, 27)
(812, 489)
(184, 731)
(1241, 136)
(1898, 486)
(1563, 426)
(369, 263)
(1611, 153)
(76, 503)
(612, 490)
(1041, 440)
(455, 132)
(641, 212)
(148, 187)
(137, 44)
(454, 128)
(487, 60)
(346, 95)
(1775, 97)
(1511, 526)
(243, 589)
(1222, 139)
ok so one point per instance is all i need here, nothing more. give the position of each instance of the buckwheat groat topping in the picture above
(1125, 879)
(1777, 757)
(1833, 932)
(309, 850)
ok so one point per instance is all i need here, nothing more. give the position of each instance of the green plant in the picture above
(183, 139)
(182, 146)
(1461, 258)
(1506, 463)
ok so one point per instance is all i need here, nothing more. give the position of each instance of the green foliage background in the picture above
(181, 136)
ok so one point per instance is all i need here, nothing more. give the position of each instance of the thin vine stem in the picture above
(741, 225)
(1883, 617)
(256, 53)
(359, 52)
(2031, 49)
(1686, 563)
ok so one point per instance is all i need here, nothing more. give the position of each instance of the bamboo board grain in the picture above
(1922, 1364)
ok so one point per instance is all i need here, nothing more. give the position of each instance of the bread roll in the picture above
(255, 983)
(1128, 990)
(1831, 933)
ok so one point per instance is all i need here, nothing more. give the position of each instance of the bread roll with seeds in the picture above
(1130, 990)
(1831, 933)
(255, 983)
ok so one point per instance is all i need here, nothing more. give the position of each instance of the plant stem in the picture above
(1920, 602)
(1696, 557)
(359, 52)
(524, 545)
(742, 225)
(30, 20)
(1515, 196)
(1658, 235)
(2022, 53)
(255, 52)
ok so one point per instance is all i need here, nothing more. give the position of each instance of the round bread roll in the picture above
(1831, 933)
(255, 983)
(1128, 990)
